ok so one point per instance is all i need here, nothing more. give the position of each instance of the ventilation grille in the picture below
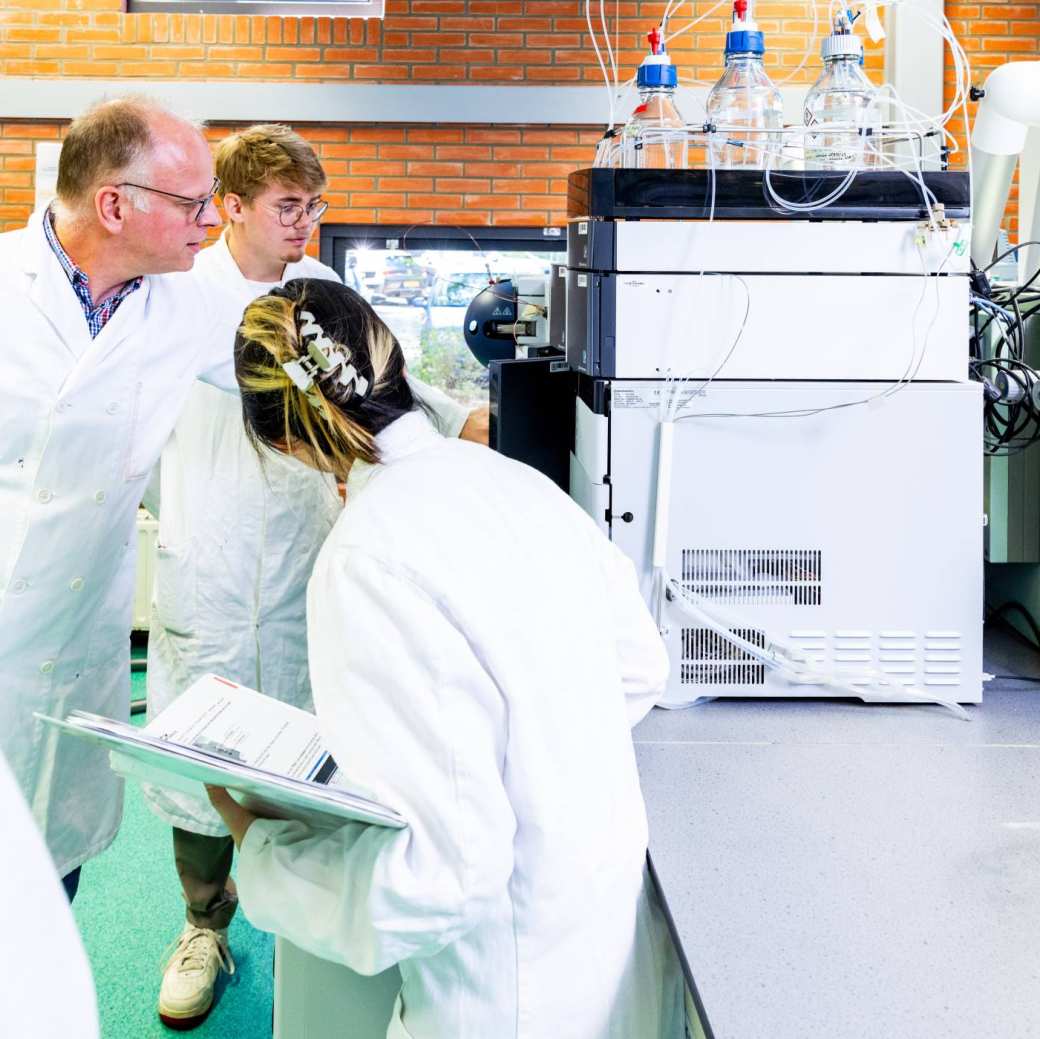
(942, 658)
(933, 659)
(709, 659)
(755, 576)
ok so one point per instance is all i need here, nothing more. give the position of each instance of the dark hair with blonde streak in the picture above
(331, 420)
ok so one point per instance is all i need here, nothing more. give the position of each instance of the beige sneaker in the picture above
(190, 974)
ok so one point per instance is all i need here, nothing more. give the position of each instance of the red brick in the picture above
(462, 217)
(39, 131)
(409, 55)
(441, 39)
(321, 71)
(437, 201)
(380, 72)
(464, 152)
(406, 184)
(437, 73)
(376, 199)
(496, 39)
(291, 53)
(405, 216)
(492, 201)
(467, 56)
(435, 169)
(442, 134)
(365, 54)
(1007, 45)
(32, 35)
(469, 24)
(377, 134)
(350, 215)
(233, 53)
(493, 169)
(553, 74)
(493, 136)
(264, 70)
(997, 11)
(462, 184)
(377, 168)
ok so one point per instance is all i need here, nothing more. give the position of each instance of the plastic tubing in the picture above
(793, 666)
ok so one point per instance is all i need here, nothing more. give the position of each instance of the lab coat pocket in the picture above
(136, 466)
(176, 588)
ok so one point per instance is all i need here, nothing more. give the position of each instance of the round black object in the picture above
(490, 323)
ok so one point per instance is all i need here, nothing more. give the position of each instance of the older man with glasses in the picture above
(237, 542)
(102, 342)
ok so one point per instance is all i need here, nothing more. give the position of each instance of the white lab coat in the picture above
(478, 654)
(83, 424)
(237, 544)
(46, 989)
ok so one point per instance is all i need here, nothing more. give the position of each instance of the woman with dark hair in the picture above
(478, 653)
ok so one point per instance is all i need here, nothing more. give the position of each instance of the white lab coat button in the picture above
(47, 667)
(44, 496)
(19, 586)
(112, 408)
(76, 584)
(100, 497)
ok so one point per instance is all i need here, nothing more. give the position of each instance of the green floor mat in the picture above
(129, 910)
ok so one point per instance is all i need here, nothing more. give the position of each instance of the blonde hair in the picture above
(250, 160)
(333, 420)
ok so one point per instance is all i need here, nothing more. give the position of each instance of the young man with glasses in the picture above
(237, 541)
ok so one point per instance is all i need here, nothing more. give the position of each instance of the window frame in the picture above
(337, 239)
(269, 8)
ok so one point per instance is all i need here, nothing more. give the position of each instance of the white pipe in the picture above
(1011, 106)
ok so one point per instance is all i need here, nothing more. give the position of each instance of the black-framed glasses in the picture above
(202, 203)
(290, 213)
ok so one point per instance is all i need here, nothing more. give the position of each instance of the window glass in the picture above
(422, 295)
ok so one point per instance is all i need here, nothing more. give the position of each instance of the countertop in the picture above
(846, 871)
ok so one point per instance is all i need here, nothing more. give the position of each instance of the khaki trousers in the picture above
(204, 866)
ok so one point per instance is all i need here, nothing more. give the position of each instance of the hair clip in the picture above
(323, 355)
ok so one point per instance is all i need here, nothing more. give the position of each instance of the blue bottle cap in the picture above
(745, 41)
(656, 76)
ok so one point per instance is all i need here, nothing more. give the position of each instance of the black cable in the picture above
(1005, 255)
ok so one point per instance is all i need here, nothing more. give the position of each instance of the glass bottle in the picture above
(655, 134)
(744, 100)
(843, 101)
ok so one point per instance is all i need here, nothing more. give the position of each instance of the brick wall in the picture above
(446, 174)
(446, 41)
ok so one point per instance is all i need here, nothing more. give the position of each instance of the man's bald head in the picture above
(114, 141)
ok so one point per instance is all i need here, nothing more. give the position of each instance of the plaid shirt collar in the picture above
(97, 316)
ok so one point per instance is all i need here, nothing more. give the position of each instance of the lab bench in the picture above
(830, 870)
(845, 871)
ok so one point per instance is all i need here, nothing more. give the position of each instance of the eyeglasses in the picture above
(292, 212)
(202, 203)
